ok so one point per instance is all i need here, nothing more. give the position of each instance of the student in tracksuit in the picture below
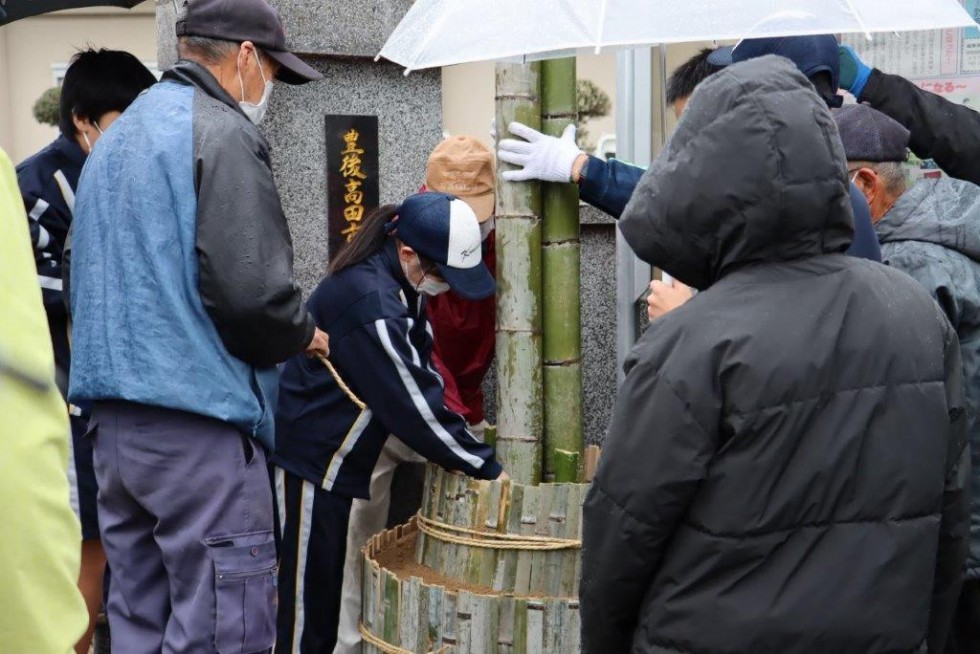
(372, 305)
(98, 87)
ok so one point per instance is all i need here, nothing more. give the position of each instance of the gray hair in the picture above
(892, 174)
(205, 50)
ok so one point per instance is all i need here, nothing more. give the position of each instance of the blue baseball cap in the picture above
(811, 54)
(443, 228)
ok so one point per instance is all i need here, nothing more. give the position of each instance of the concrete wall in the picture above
(29, 48)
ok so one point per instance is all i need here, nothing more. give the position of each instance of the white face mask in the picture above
(255, 112)
(432, 288)
(88, 142)
(486, 227)
(426, 286)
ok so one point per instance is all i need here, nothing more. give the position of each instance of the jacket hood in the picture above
(754, 173)
(943, 211)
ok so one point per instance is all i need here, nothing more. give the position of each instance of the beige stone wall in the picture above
(29, 48)
(467, 105)
(468, 92)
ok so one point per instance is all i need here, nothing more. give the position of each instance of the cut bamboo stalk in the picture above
(464, 622)
(566, 466)
(592, 453)
(408, 615)
(571, 640)
(392, 595)
(553, 613)
(535, 627)
(490, 435)
(557, 519)
(449, 620)
(561, 318)
(505, 636)
(519, 349)
(434, 615)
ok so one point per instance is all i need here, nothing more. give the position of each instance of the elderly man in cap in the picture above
(184, 301)
(932, 232)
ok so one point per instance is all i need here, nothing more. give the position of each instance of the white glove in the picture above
(543, 157)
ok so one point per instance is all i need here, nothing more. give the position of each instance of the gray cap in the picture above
(869, 135)
(246, 20)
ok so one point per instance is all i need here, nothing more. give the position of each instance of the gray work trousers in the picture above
(185, 512)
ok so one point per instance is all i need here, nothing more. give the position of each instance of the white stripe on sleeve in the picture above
(66, 191)
(51, 283)
(39, 208)
(419, 400)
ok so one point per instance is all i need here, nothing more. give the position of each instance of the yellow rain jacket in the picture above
(41, 609)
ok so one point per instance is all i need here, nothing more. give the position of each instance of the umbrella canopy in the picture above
(11, 10)
(445, 32)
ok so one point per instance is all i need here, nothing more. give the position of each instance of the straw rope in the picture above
(491, 540)
(340, 382)
(387, 647)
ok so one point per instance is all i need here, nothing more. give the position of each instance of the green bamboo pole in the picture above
(519, 362)
(561, 302)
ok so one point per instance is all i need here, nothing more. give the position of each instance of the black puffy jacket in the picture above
(785, 469)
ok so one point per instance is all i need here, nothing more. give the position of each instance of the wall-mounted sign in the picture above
(352, 176)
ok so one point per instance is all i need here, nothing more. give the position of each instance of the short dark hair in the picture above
(100, 81)
(688, 75)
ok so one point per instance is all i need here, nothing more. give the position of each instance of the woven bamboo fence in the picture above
(496, 568)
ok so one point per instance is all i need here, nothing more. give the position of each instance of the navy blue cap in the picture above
(811, 54)
(869, 135)
(443, 228)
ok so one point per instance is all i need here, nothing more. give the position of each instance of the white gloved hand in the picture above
(546, 158)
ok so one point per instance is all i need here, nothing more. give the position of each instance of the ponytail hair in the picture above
(368, 240)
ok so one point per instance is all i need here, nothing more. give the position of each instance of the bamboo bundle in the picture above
(411, 615)
(518, 350)
(503, 536)
(562, 337)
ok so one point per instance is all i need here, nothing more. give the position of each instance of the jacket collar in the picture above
(71, 150)
(194, 74)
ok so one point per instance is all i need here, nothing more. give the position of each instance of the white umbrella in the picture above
(445, 32)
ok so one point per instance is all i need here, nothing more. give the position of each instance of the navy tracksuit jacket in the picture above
(381, 345)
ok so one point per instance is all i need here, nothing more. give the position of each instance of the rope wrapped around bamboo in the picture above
(387, 647)
(493, 540)
(504, 535)
(402, 612)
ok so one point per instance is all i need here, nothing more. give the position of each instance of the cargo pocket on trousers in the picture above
(245, 592)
